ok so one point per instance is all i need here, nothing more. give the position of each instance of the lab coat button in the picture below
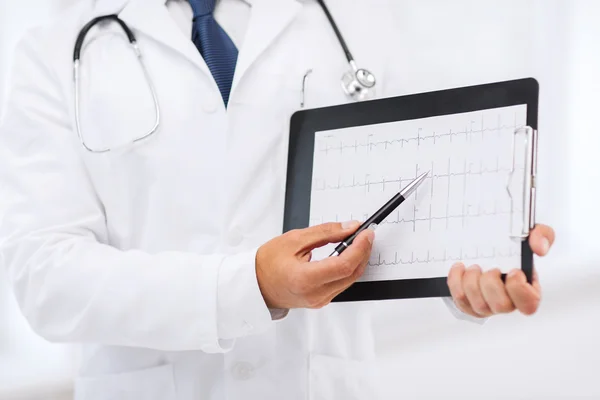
(243, 371)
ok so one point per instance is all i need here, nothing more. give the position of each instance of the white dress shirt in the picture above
(232, 15)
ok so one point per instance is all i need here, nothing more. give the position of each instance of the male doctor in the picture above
(165, 259)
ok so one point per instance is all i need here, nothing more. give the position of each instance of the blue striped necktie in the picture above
(215, 46)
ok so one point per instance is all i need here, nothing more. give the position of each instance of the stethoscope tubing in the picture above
(84, 31)
(76, 77)
(355, 88)
(339, 35)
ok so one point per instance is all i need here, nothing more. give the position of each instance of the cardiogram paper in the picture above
(462, 211)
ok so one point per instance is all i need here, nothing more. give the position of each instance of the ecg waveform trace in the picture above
(397, 219)
(462, 256)
(463, 202)
(367, 183)
(468, 134)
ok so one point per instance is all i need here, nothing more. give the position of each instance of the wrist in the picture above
(267, 291)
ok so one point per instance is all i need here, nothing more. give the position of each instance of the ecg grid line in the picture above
(459, 213)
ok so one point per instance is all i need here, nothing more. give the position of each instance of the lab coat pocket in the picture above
(155, 383)
(336, 378)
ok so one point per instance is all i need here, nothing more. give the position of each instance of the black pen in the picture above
(382, 213)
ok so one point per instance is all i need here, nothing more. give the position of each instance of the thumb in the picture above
(331, 232)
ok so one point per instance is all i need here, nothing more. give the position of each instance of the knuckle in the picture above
(293, 235)
(314, 302)
(451, 280)
(471, 286)
(480, 306)
(346, 268)
(502, 306)
(512, 284)
(358, 272)
(495, 272)
(321, 305)
(457, 266)
(461, 297)
(474, 269)
(325, 303)
(452, 276)
(367, 246)
(292, 232)
(327, 228)
(530, 308)
(487, 282)
(298, 283)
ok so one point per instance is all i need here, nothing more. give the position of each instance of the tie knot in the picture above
(202, 7)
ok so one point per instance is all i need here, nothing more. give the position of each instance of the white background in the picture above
(554, 355)
(30, 368)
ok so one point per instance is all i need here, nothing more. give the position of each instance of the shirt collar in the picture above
(249, 2)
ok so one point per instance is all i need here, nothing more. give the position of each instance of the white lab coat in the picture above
(146, 255)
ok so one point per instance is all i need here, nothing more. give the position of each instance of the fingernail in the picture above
(513, 273)
(349, 224)
(370, 235)
(545, 246)
(373, 227)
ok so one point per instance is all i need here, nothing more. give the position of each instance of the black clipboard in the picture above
(305, 123)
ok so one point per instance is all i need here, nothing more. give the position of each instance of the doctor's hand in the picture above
(482, 294)
(287, 277)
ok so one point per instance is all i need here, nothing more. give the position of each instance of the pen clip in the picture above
(529, 183)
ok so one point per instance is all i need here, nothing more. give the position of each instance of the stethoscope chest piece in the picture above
(359, 84)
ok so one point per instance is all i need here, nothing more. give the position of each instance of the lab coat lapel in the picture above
(152, 18)
(267, 21)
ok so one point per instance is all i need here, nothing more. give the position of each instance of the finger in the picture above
(536, 282)
(336, 287)
(323, 234)
(473, 291)
(523, 295)
(541, 239)
(306, 257)
(343, 266)
(325, 293)
(455, 277)
(333, 289)
(494, 292)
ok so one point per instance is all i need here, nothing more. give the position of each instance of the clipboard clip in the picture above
(527, 219)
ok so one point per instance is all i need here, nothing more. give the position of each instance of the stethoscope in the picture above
(357, 83)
